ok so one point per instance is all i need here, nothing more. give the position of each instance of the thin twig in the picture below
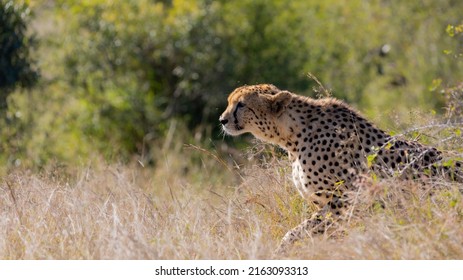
(13, 197)
(216, 157)
(446, 125)
(325, 92)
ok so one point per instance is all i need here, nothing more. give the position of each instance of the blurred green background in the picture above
(123, 80)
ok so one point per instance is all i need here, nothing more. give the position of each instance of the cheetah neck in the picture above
(293, 122)
(306, 119)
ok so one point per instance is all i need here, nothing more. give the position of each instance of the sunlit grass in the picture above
(131, 212)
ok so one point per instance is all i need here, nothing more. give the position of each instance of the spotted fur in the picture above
(329, 144)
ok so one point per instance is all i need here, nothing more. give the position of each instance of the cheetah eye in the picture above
(238, 106)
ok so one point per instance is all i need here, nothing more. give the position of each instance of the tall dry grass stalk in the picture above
(130, 212)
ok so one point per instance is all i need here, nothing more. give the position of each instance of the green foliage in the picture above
(16, 65)
(453, 30)
(121, 77)
(158, 62)
(456, 32)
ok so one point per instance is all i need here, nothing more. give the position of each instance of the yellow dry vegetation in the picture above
(129, 212)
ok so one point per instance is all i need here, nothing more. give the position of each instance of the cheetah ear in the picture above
(279, 102)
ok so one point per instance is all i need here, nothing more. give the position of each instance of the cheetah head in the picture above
(254, 109)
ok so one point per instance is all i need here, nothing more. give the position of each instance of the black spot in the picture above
(398, 159)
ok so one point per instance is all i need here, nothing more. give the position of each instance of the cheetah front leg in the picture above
(299, 232)
(317, 224)
(334, 211)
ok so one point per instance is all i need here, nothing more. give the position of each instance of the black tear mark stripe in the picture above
(239, 105)
(234, 112)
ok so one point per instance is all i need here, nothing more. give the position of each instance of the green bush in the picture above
(120, 78)
(16, 65)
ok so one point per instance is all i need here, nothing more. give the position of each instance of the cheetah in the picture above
(330, 145)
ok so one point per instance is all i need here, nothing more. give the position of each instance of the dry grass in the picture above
(130, 212)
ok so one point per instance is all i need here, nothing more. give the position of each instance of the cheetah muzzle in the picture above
(330, 145)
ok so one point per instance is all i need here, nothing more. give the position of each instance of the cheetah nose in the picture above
(223, 121)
